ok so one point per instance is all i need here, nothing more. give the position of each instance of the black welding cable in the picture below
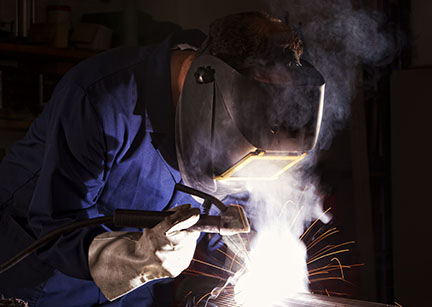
(121, 218)
(52, 235)
(207, 197)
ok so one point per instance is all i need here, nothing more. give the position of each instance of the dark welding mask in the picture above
(231, 129)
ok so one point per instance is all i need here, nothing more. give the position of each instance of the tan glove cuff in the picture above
(120, 262)
(117, 266)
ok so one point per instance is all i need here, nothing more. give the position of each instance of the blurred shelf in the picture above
(35, 68)
(12, 124)
(66, 54)
(42, 58)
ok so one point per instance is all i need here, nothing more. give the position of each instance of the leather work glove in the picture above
(120, 262)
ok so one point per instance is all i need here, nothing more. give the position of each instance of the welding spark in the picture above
(274, 262)
(276, 268)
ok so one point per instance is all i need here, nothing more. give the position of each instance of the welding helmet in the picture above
(231, 128)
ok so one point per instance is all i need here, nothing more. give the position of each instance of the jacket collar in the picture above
(154, 82)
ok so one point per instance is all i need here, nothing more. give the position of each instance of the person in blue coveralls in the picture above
(122, 128)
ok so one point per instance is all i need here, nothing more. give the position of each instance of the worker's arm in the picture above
(76, 163)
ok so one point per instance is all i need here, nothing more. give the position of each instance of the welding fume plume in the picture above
(275, 267)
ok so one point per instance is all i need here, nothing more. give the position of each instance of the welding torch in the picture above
(232, 220)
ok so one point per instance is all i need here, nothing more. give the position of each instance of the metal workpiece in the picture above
(303, 300)
(316, 300)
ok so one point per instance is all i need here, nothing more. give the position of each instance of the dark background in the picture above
(375, 173)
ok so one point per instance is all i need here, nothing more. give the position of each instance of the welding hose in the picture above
(121, 218)
(50, 236)
(128, 218)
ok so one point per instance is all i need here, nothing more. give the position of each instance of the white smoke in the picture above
(287, 203)
(338, 38)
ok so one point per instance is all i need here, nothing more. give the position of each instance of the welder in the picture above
(123, 128)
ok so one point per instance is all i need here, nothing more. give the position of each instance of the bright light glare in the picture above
(276, 270)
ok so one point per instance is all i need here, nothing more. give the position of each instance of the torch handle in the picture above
(149, 219)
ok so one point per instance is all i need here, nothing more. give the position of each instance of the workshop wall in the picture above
(79, 7)
(421, 35)
(187, 13)
(410, 114)
(411, 168)
(198, 13)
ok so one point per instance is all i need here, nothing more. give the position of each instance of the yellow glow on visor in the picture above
(261, 165)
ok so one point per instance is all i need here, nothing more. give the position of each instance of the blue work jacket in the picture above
(104, 141)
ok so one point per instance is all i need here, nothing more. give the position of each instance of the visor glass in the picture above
(260, 165)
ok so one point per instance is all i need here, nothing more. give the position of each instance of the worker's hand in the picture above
(120, 262)
(176, 244)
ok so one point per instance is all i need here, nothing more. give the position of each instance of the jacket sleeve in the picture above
(72, 176)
